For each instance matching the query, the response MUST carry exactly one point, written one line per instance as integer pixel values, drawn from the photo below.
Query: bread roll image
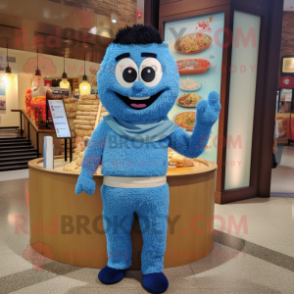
(103, 109)
(81, 132)
(71, 114)
(91, 108)
(73, 134)
(69, 167)
(84, 127)
(79, 161)
(70, 100)
(188, 162)
(94, 113)
(104, 113)
(79, 139)
(82, 122)
(85, 122)
(71, 107)
(71, 123)
(82, 117)
(89, 102)
(89, 97)
(72, 167)
(178, 159)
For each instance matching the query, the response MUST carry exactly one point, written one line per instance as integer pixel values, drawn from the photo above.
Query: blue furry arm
(92, 159)
(207, 114)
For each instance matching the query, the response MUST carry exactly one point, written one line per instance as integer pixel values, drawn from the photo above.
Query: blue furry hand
(85, 184)
(207, 111)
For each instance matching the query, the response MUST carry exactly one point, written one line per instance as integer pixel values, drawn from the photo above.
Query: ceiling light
(113, 17)
(7, 77)
(85, 87)
(64, 83)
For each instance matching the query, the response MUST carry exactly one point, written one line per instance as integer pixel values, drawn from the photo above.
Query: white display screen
(59, 119)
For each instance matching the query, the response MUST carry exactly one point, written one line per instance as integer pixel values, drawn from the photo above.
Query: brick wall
(287, 40)
(125, 9)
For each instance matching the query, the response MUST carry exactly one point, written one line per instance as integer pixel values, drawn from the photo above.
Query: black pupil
(148, 74)
(130, 75)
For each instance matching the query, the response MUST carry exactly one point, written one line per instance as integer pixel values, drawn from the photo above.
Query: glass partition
(243, 78)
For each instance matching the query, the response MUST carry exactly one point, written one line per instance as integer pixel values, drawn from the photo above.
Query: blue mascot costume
(138, 84)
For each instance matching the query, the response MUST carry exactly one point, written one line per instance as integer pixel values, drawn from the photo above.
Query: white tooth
(139, 98)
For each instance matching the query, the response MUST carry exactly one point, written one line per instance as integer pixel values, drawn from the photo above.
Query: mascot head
(138, 78)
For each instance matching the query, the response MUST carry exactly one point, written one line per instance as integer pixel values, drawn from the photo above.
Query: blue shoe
(155, 283)
(110, 275)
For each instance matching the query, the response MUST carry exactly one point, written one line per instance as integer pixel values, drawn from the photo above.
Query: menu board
(286, 95)
(197, 46)
(59, 119)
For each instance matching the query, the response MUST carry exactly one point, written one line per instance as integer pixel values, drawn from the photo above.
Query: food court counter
(71, 225)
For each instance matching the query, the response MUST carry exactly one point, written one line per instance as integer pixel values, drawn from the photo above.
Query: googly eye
(150, 72)
(126, 72)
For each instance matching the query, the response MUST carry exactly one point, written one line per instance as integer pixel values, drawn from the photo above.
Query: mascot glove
(208, 110)
(85, 184)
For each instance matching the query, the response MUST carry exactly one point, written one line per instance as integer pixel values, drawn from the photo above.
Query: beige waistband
(134, 182)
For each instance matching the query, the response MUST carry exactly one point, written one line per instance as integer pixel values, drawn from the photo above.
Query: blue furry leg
(110, 275)
(155, 283)
(151, 206)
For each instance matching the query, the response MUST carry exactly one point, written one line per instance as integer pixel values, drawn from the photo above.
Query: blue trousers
(151, 206)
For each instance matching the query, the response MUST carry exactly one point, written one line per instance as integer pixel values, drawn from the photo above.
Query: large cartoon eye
(150, 71)
(126, 72)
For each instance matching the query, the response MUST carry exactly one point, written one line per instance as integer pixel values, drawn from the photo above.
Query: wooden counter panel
(53, 201)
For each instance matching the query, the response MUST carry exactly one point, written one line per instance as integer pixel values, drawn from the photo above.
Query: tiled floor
(14, 175)
(283, 176)
(257, 257)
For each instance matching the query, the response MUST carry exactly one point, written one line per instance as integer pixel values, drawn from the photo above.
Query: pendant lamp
(7, 77)
(37, 72)
(64, 83)
(38, 80)
(113, 16)
(85, 87)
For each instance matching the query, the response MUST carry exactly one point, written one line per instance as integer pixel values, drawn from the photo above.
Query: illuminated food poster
(284, 124)
(196, 44)
(2, 96)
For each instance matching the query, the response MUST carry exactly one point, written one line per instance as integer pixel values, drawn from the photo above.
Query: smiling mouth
(139, 102)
